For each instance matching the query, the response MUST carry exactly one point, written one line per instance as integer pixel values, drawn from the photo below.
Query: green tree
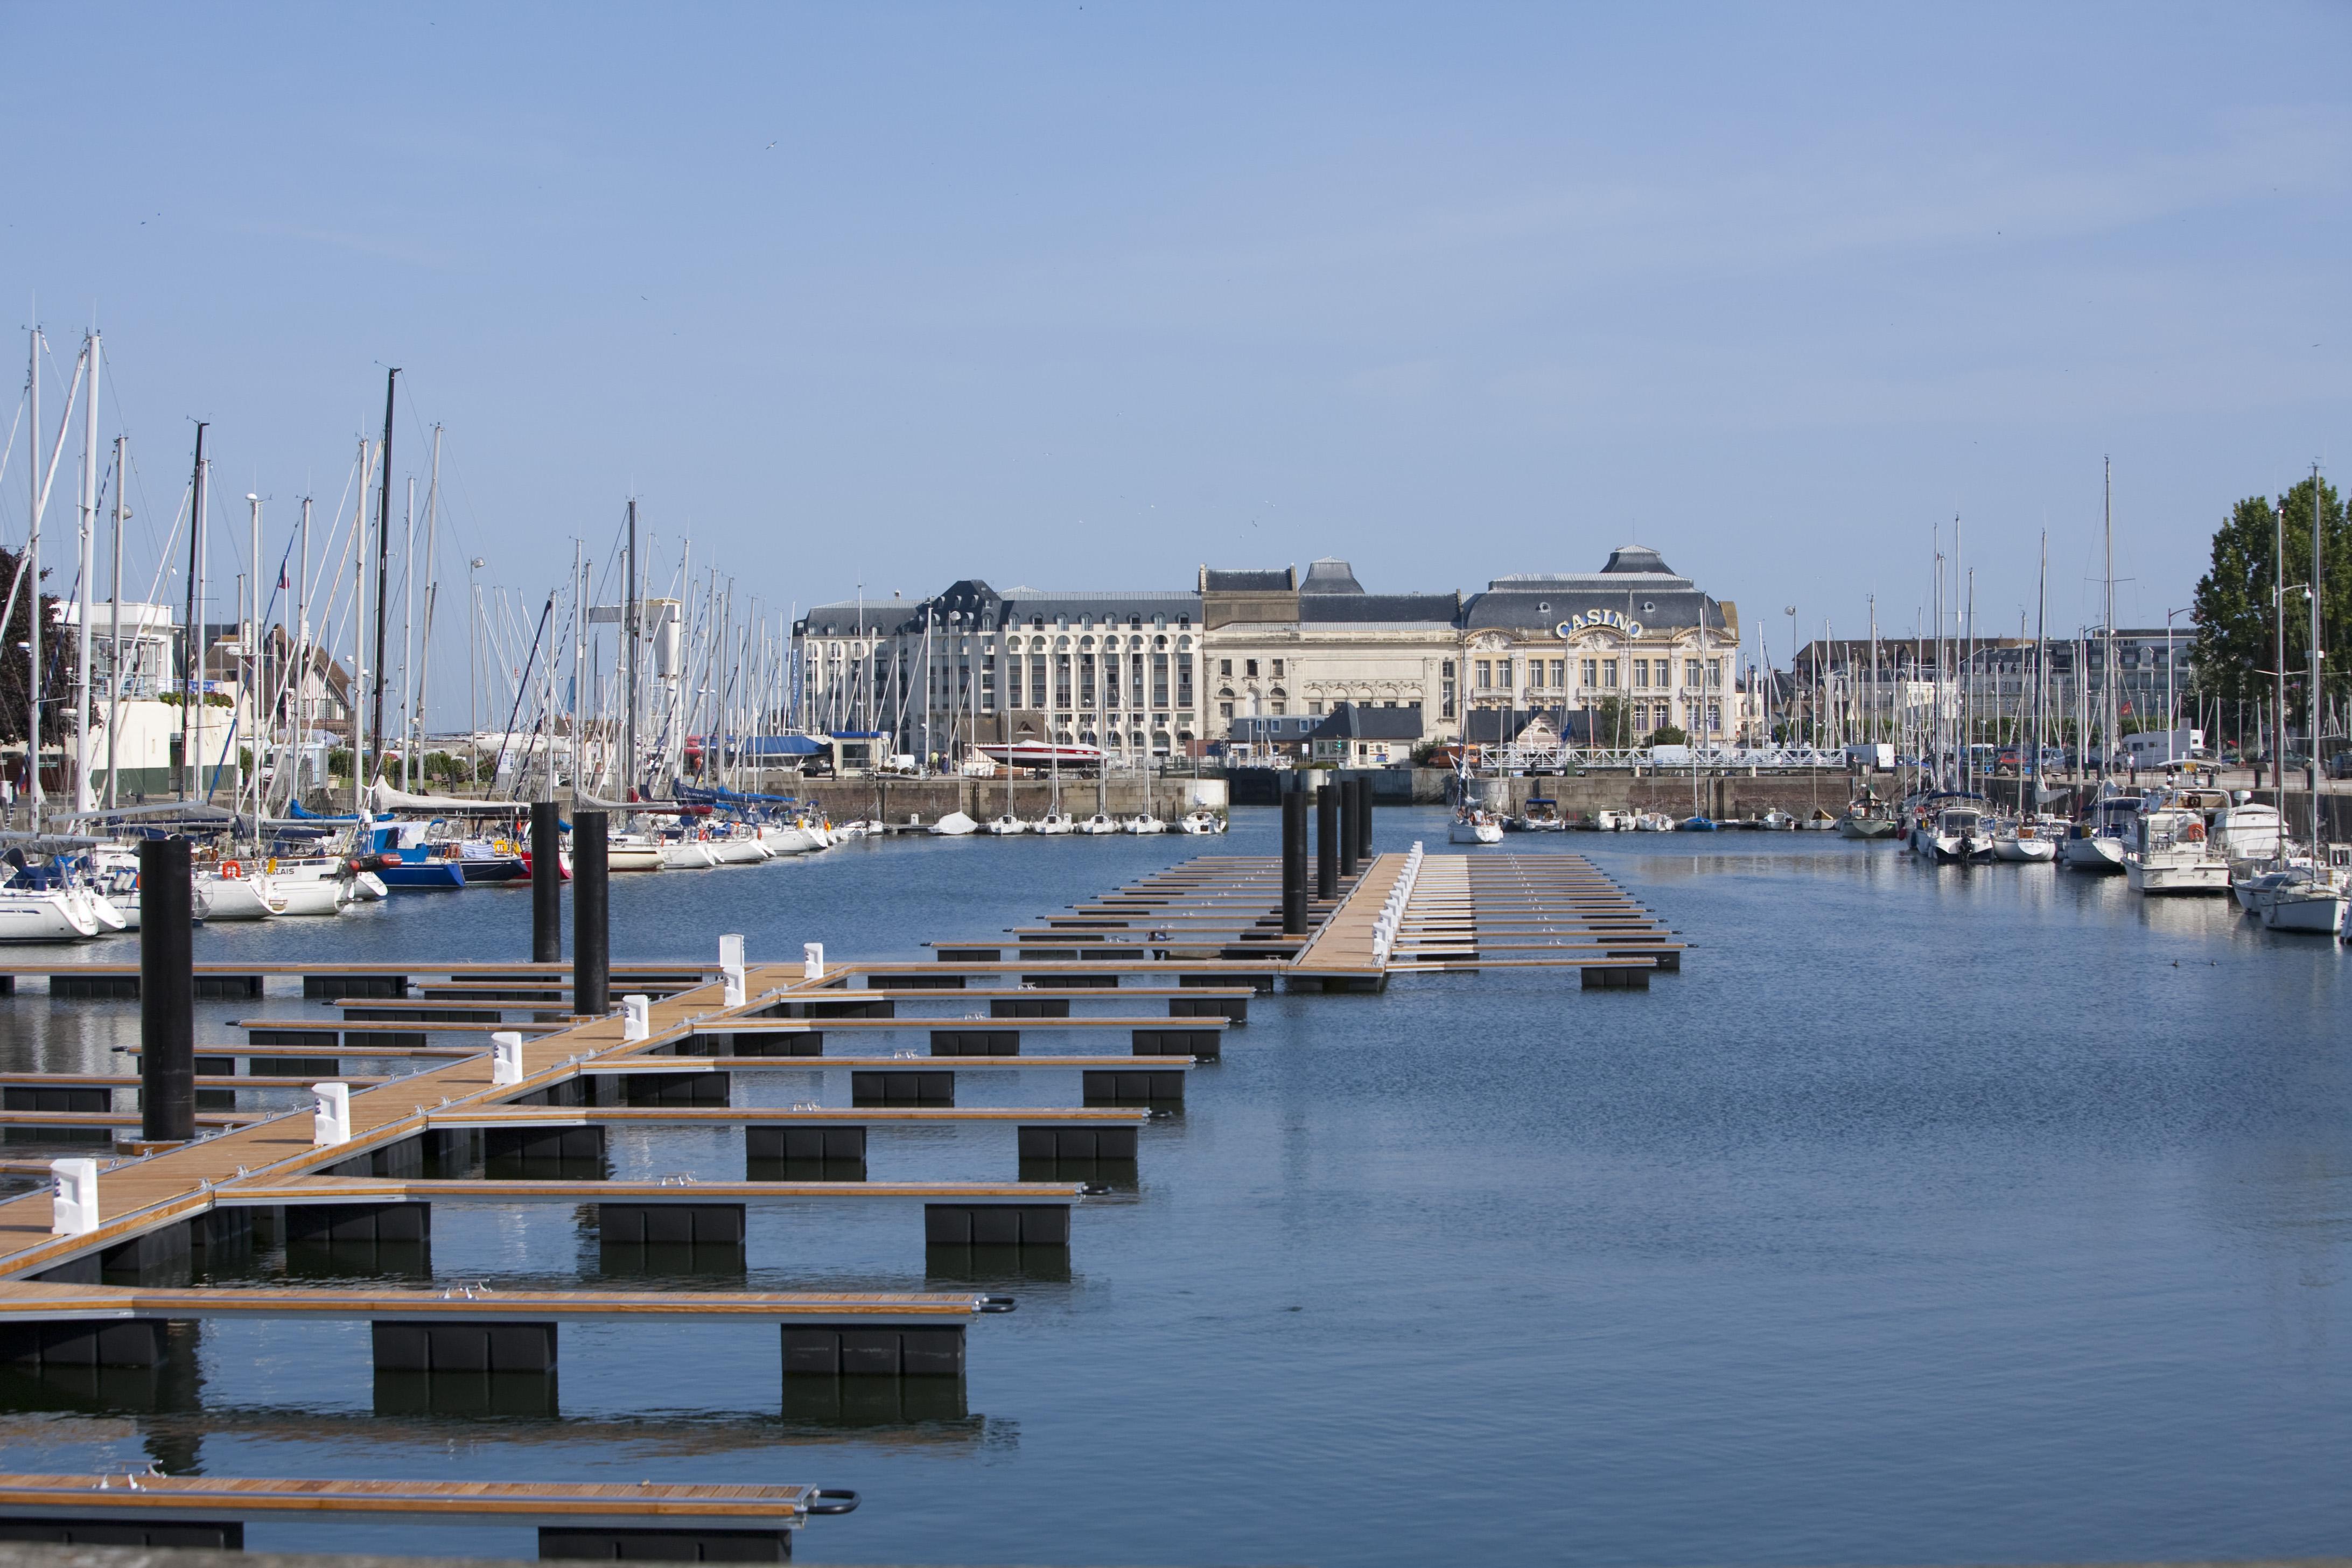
(2233, 601)
(1669, 735)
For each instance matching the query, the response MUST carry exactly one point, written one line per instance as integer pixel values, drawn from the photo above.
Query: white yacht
(2171, 854)
(1203, 821)
(43, 914)
(1143, 822)
(2027, 841)
(1007, 827)
(1473, 825)
(1098, 823)
(1056, 822)
(1955, 835)
(230, 894)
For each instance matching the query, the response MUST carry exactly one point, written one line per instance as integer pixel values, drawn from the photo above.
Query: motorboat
(1056, 822)
(1098, 823)
(1042, 754)
(1696, 825)
(2026, 841)
(1613, 821)
(1143, 822)
(1653, 822)
(1820, 822)
(1007, 827)
(1954, 834)
(1201, 821)
(2170, 853)
(954, 825)
(1540, 815)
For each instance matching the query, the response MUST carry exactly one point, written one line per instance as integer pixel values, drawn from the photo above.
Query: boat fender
(230, 870)
(833, 1499)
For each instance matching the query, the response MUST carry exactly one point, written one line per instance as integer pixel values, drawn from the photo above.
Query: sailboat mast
(83, 801)
(2111, 716)
(383, 575)
(432, 590)
(2318, 531)
(2278, 659)
(302, 665)
(408, 637)
(114, 630)
(578, 651)
(2040, 659)
(629, 676)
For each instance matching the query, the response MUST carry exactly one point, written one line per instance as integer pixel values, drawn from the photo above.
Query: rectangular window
(1277, 669)
(1159, 680)
(1715, 673)
(1609, 675)
(1691, 672)
(1184, 680)
(1012, 682)
(1224, 666)
(1535, 675)
(1559, 674)
(1037, 681)
(1485, 675)
(1590, 676)
(1061, 680)
(1446, 669)
(1642, 674)
(1315, 707)
(1249, 666)
(1086, 680)
(1224, 710)
(1277, 709)
(1446, 699)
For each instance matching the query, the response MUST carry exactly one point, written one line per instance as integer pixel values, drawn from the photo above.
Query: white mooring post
(506, 1058)
(812, 961)
(73, 1201)
(330, 1118)
(637, 1017)
(730, 967)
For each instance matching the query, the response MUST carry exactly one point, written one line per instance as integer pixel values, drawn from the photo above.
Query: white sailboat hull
(2025, 851)
(1474, 833)
(43, 917)
(1094, 824)
(2092, 853)
(236, 898)
(305, 896)
(1056, 822)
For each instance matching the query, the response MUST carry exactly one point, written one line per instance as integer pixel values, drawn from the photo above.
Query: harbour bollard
(1363, 819)
(1326, 842)
(546, 883)
(591, 934)
(73, 1196)
(1350, 849)
(331, 1115)
(506, 1058)
(730, 967)
(1293, 863)
(167, 992)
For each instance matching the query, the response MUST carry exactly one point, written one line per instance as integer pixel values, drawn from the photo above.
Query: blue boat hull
(432, 874)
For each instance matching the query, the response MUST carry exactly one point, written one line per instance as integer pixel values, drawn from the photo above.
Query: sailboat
(2313, 897)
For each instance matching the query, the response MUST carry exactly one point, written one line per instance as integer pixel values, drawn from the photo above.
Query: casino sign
(1574, 623)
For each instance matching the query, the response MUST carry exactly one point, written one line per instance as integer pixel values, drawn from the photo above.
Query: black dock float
(900, 1086)
(197, 1534)
(836, 1402)
(996, 1225)
(1121, 1087)
(1204, 1044)
(804, 1142)
(752, 1042)
(226, 987)
(295, 1067)
(583, 1145)
(1052, 1142)
(94, 987)
(446, 1013)
(863, 1349)
(1029, 1007)
(42, 1097)
(975, 1042)
(1074, 981)
(1627, 979)
(371, 987)
(567, 1543)
(402, 1159)
(970, 954)
(464, 1347)
(673, 1088)
(915, 980)
(117, 1342)
(657, 1225)
(1234, 1009)
(855, 1007)
(329, 1224)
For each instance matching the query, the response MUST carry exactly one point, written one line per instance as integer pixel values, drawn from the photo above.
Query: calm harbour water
(1928, 1215)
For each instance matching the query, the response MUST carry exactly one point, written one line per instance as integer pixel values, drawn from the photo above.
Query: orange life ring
(231, 870)
(2194, 833)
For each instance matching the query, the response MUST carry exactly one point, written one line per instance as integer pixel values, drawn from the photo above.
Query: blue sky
(1087, 295)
